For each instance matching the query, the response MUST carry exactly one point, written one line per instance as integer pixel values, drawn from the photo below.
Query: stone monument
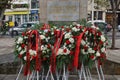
(62, 10)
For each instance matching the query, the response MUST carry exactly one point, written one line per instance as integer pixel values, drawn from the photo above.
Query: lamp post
(92, 11)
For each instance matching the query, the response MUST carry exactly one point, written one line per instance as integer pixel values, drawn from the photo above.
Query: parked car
(102, 25)
(119, 28)
(21, 28)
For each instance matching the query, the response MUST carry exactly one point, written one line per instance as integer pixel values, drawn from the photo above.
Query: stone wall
(66, 10)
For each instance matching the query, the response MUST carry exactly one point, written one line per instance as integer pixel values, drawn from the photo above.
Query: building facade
(23, 11)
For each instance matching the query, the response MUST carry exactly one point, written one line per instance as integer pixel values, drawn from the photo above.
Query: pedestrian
(16, 24)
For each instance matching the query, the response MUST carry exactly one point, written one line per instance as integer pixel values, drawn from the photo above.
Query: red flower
(67, 42)
(101, 42)
(48, 46)
(20, 55)
(71, 52)
(65, 50)
(22, 45)
(68, 29)
(44, 59)
(85, 47)
(102, 55)
(92, 56)
(33, 57)
(95, 48)
(23, 34)
(62, 26)
(99, 33)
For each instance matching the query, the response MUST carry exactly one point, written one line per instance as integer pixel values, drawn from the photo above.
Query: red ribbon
(59, 36)
(34, 47)
(77, 50)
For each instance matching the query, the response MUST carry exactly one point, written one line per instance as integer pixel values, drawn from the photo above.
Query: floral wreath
(68, 45)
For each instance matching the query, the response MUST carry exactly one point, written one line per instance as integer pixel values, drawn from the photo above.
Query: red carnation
(23, 34)
(22, 45)
(68, 29)
(65, 50)
(67, 42)
(20, 55)
(71, 52)
(48, 45)
(33, 57)
(91, 56)
(95, 48)
(102, 55)
(99, 33)
(62, 26)
(85, 47)
(101, 42)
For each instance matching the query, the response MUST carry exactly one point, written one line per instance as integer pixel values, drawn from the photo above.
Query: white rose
(71, 40)
(67, 35)
(70, 46)
(78, 24)
(83, 51)
(20, 40)
(83, 42)
(19, 48)
(74, 29)
(42, 47)
(46, 30)
(103, 38)
(93, 26)
(42, 37)
(97, 54)
(86, 32)
(32, 52)
(90, 50)
(22, 52)
(103, 49)
(25, 58)
(60, 51)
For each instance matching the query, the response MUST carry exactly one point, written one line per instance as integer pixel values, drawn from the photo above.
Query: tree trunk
(2, 14)
(114, 27)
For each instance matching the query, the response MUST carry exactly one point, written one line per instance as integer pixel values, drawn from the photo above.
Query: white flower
(46, 30)
(22, 52)
(97, 54)
(68, 35)
(42, 37)
(83, 42)
(103, 49)
(60, 51)
(78, 24)
(93, 26)
(32, 52)
(25, 37)
(90, 50)
(20, 40)
(103, 38)
(86, 32)
(25, 58)
(75, 29)
(71, 40)
(83, 51)
(70, 46)
(19, 49)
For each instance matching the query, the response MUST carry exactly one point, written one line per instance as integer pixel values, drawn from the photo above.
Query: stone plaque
(63, 10)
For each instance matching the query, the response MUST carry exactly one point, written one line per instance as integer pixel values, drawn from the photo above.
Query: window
(10, 18)
(24, 18)
(34, 4)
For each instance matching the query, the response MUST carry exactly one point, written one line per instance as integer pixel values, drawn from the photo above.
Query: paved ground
(7, 48)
